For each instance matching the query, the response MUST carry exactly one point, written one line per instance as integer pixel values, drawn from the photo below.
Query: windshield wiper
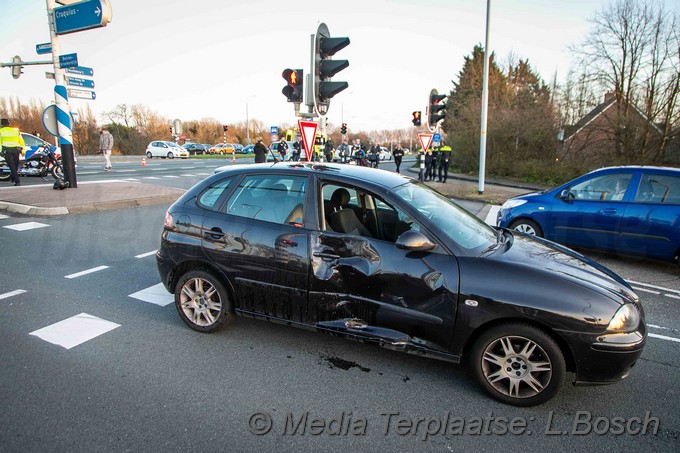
(500, 239)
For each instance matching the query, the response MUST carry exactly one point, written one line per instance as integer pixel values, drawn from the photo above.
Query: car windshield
(466, 230)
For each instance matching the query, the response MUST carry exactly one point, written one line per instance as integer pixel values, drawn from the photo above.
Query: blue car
(629, 210)
(249, 149)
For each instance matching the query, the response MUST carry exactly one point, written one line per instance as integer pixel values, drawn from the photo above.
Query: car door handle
(610, 211)
(214, 233)
(326, 256)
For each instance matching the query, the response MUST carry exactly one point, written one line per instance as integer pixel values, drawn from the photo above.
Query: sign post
(425, 141)
(308, 131)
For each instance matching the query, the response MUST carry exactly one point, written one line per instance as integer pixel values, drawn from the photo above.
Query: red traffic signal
(225, 127)
(343, 129)
(294, 84)
(416, 118)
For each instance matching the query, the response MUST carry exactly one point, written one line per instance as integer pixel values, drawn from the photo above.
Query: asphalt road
(149, 383)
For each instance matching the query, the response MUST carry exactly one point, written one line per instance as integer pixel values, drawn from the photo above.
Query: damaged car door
(377, 275)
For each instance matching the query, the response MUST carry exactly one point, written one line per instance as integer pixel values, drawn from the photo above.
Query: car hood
(562, 262)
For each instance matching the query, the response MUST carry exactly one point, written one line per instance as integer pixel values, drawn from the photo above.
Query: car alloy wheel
(149, 155)
(171, 155)
(202, 301)
(519, 364)
(527, 226)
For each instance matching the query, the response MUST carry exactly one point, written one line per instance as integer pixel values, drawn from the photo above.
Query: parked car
(249, 149)
(642, 218)
(275, 152)
(381, 258)
(238, 147)
(166, 149)
(222, 148)
(385, 154)
(194, 148)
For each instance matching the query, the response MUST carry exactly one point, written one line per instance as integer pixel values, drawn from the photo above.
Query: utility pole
(485, 104)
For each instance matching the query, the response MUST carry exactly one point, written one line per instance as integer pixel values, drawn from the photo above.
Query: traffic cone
(233, 157)
(143, 161)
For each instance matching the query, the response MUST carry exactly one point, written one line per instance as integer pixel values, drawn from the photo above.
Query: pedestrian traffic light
(294, 84)
(17, 69)
(343, 129)
(436, 109)
(225, 127)
(416, 118)
(324, 68)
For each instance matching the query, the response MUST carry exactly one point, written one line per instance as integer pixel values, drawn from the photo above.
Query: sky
(223, 59)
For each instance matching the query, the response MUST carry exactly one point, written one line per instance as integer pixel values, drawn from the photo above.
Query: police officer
(428, 165)
(444, 158)
(11, 143)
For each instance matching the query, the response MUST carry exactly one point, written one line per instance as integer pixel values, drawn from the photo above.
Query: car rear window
(208, 198)
(655, 188)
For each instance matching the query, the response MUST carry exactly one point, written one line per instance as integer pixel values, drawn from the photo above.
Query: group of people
(437, 163)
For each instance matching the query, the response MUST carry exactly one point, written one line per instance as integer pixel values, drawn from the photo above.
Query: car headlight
(626, 319)
(513, 204)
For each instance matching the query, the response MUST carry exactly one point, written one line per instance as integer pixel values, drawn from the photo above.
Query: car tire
(171, 156)
(149, 155)
(202, 301)
(527, 226)
(518, 364)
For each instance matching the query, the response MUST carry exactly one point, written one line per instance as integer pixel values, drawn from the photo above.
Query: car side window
(208, 198)
(610, 187)
(271, 198)
(655, 188)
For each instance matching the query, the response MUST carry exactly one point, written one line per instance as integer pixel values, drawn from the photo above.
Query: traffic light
(17, 70)
(225, 127)
(343, 129)
(294, 84)
(436, 109)
(324, 68)
(416, 118)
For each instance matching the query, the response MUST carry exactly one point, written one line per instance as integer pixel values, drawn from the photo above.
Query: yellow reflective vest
(10, 137)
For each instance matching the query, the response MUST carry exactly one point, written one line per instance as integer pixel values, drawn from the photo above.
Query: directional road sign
(44, 48)
(273, 129)
(82, 16)
(81, 94)
(68, 61)
(308, 132)
(76, 82)
(81, 70)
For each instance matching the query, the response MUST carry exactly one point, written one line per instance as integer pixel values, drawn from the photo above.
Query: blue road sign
(81, 94)
(76, 82)
(68, 61)
(437, 138)
(44, 48)
(81, 70)
(81, 16)
(274, 130)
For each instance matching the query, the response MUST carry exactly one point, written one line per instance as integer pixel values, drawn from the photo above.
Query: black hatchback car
(381, 258)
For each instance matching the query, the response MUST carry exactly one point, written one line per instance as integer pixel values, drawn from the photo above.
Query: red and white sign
(308, 132)
(425, 140)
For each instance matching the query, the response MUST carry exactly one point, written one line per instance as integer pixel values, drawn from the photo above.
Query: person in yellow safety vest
(11, 143)
(444, 158)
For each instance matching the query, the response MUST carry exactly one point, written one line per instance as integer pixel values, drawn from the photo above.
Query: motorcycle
(40, 163)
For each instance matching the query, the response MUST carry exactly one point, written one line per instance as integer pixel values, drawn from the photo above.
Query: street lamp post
(248, 120)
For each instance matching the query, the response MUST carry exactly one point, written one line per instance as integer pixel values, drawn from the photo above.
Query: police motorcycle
(41, 163)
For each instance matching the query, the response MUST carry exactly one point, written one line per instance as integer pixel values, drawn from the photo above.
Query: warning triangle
(425, 141)
(308, 132)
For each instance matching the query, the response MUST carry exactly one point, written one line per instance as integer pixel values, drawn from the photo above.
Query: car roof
(363, 174)
(635, 168)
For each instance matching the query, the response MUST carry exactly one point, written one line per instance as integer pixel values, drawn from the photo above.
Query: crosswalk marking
(75, 330)
(491, 216)
(156, 294)
(3, 216)
(144, 255)
(25, 226)
(85, 272)
(16, 292)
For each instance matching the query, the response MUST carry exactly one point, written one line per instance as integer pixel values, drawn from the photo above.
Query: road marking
(144, 255)
(88, 271)
(80, 173)
(203, 174)
(651, 291)
(170, 176)
(664, 337)
(189, 176)
(151, 177)
(130, 179)
(186, 168)
(672, 296)
(75, 330)
(654, 326)
(491, 216)
(16, 292)
(668, 290)
(156, 294)
(3, 216)
(26, 226)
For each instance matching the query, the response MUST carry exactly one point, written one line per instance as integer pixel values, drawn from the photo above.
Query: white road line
(491, 216)
(664, 337)
(144, 255)
(651, 291)
(131, 179)
(190, 176)
(25, 226)
(186, 168)
(88, 271)
(668, 290)
(86, 173)
(16, 292)
(672, 296)
(75, 330)
(156, 294)
(203, 174)
(3, 216)
(150, 177)
(170, 176)
(654, 326)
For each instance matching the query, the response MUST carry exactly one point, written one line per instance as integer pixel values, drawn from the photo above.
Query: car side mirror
(414, 241)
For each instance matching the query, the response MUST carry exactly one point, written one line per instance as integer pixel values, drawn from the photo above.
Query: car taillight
(168, 220)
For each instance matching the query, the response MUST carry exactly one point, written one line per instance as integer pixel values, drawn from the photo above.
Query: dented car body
(382, 258)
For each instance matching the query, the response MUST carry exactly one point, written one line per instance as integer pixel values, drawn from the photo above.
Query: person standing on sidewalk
(105, 147)
(260, 152)
(444, 157)
(11, 143)
(398, 153)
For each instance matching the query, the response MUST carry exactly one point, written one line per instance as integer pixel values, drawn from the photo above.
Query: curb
(32, 210)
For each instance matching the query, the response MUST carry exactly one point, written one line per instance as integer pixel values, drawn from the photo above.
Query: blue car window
(609, 187)
(655, 188)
